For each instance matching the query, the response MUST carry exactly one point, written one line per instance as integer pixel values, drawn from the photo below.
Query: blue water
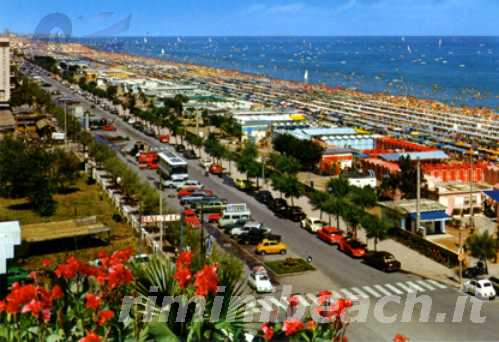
(461, 70)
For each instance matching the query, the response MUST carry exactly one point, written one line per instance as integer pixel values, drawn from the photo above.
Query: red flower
(91, 337)
(182, 275)
(19, 297)
(268, 331)
(292, 326)
(121, 256)
(47, 262)
(400, 338)
(69, 269)
(324, 296)
(310, 325)
(341, 339)
(56, 292)
(104, 316)
(2, 306)
(293, 300)
(206, 280)
(119, 275)
(184, 258)
(92, 301)
(34, 306)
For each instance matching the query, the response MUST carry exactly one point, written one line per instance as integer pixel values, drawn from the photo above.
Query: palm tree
(375, 229)
(482, 246)
(335, 206)
(318, 200)
(353, 215)
(339, 187)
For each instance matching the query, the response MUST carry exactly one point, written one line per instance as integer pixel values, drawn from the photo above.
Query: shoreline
(312, 89)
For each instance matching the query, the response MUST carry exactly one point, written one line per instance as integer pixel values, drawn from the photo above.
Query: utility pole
(471, 177)
(460, 256)
(65, 123)
(161, 223)
(418, 194)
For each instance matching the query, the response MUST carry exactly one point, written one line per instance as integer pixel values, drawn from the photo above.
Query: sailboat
(162, 52)
(210, 40)
(305, 76)
(440, 43)
(145, 40)
(179, 40)
(403, 39)
(409, 49)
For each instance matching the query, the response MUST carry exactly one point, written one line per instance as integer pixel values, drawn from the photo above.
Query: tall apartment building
(4, 71)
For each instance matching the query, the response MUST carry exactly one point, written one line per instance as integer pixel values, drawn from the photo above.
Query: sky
(254, 17)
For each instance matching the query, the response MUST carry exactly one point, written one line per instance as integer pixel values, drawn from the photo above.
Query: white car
(173, 183)
(259, 280)
(190, 183)
(480, 288)
(205, 163)
(312, 224)
(247, 227)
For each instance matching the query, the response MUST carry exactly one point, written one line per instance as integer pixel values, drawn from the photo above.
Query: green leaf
(161, 332)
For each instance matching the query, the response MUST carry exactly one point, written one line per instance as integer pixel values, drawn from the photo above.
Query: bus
(172, 167)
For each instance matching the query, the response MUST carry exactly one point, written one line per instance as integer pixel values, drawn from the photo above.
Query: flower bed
(289, 266)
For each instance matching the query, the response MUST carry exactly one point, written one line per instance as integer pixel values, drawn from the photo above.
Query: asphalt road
(344, 271)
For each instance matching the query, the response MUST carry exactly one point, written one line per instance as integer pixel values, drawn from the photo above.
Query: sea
(454, 70)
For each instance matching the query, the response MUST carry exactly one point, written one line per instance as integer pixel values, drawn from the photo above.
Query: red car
(164, 138)
(109, 128)
(191, 218)
(184, 192)
(216, 169)
(330, 234)
(213, 218)
(352, 247)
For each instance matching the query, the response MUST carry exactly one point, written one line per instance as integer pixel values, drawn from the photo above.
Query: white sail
(145, 40)
(162, 52)
(305, 76)
(440, 43)
(409, 49)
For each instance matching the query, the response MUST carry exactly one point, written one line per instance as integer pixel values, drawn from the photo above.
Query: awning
(493, 194)
(431, 215)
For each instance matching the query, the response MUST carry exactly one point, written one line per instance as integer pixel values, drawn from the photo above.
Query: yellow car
(243, 184)
(271, 247)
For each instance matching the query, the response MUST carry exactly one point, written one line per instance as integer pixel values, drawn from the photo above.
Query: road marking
(313, 298)
(278, 303)
(349, 294)
(383, 290)
(415, 286)
(394, 289)
(371, 291)
(302, 300)
(406, 288)
(437, 284)
(425, 284)
(359, 292)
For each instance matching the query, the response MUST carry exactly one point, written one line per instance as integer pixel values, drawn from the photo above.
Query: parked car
(268, 246)
(189, 184)
(480, 288)
(383, 261)
(243, 184)
(495, 283)
(255, 236)
(216, 169)
(475, 271)
(210, 206)
(278, 205)
(329, 234)
(264, 197)
(352, 247)
(179, 148)
(259, 280)
(193, 199)
(190, 154)
(205, 163)
(234, 232)
(293, 213)
(164, 138)
(312, 224)
(213, 218)
(173, 183)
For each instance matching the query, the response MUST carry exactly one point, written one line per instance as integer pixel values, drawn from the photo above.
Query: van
(234, 215)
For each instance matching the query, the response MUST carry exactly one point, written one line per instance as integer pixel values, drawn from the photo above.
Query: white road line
(436, 283)
(383, 290)
(394, 289)
(312, 298)
(405, 287)
(359, 292)
(302, 300)
(349, 295)
(278, 303)
(371, 291)
(425, 284)
(415, 286)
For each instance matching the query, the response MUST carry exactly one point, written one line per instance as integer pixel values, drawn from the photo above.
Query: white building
(4, 70)
(362, 181)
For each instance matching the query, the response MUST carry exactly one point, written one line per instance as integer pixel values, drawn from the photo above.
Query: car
(190, 154)
(247, 227)
(216, 169)
(243, 184)
(173, 183)
(184, 192)
(213, 218)
(179, 148)
(192, 200)
(352, 247)
(480, 288)
(293, 213)
(191, 218)
(475, 271)
(495, 283)
(255, 236)
(278, 205)
(259, 280)
(189, 184)
(312, 224)
(383, 261)
(330, 234)
(205, 163)
(269, 246)
(164, 138)
(264, 197)
(210, 206)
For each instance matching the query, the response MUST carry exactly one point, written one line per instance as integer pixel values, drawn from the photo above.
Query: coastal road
(346, 273)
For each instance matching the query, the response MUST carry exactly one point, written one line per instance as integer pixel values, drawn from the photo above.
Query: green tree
(65, 168)
(339, 187)
(335, 206)
(284, 164)
(365, 197)
(353, 215)
(482, 246)
(375, 229)
(318, 199)
(290, 186)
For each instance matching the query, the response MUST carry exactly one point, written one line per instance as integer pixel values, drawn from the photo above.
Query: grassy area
(289, 266)
(86, 200)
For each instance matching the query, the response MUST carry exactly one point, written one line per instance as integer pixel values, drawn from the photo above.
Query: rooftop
(415, 155)
(408, 206)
